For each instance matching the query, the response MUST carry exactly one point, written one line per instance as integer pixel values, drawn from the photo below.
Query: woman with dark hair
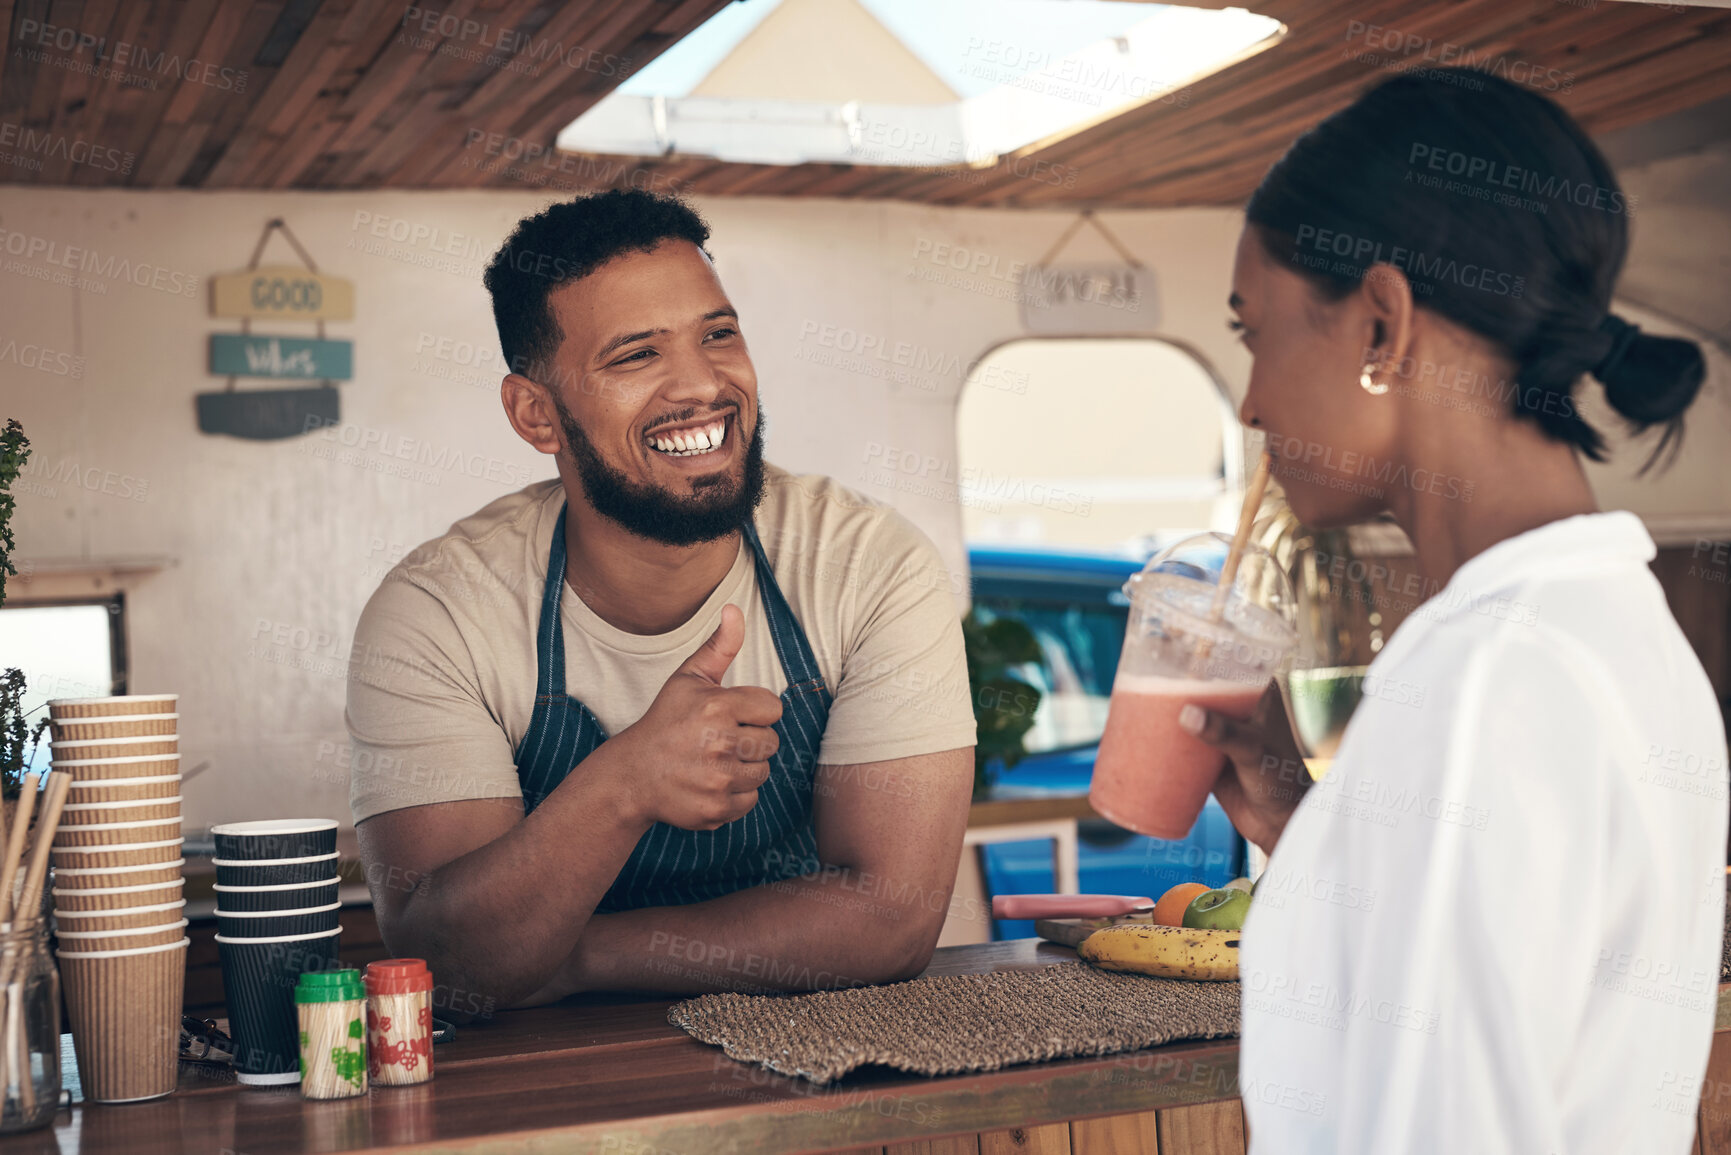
(1495, 923)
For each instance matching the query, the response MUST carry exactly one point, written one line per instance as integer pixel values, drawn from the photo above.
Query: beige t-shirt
(442, 683)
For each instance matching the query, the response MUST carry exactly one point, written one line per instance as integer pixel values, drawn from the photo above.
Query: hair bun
(1648, 379)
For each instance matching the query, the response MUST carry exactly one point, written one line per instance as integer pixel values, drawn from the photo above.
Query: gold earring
(1369, 384)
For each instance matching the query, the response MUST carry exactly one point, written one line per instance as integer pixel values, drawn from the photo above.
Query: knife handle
(1066, 905)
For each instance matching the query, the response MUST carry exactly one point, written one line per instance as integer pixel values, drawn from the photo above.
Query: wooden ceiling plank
(450, 76)
(316, 57)
(276, 117)
(121, 111)
(384, 83)
(7, 8)
(213, 49)
(81, 92)
(229, 143)
(354, 105)
(42, 98)
(165, 43)
(304, 150)
(548, 103)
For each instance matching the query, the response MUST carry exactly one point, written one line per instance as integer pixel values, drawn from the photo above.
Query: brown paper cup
(130, 918)
(135, 938)
(121, 896)
(125, 1011)
(107, 877)
(123, 789)
(131, 854)
(123, 705)
(117, 833)
(142, 766)
(85, 814)
(114, 747)
(128, 726)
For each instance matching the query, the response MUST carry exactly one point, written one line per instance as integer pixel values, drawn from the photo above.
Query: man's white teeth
(686, 443)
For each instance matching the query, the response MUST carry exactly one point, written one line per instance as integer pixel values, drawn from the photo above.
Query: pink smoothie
(1151, 776)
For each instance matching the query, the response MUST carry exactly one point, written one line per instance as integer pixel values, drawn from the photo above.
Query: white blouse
(1495, 924)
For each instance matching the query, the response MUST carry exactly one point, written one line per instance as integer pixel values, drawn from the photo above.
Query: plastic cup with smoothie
(1151, 776)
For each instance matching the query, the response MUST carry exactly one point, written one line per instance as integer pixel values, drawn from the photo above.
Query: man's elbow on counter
(906, 957)
(462, 991)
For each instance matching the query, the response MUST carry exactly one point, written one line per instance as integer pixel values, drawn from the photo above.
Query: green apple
(1243, 884)
(1222, 909)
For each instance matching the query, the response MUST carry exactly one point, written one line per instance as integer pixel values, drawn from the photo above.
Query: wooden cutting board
(1071, 931)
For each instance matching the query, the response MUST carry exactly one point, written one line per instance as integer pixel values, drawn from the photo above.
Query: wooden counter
(609, 1074)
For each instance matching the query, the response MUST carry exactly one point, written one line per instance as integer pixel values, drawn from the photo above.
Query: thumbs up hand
(697, 756)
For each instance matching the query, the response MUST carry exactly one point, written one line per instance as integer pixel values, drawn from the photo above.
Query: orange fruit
(1169, 911)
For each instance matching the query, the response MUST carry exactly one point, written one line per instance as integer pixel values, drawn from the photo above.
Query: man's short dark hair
(563, 243)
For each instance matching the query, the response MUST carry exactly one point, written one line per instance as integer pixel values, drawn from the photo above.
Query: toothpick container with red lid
(399, 1022)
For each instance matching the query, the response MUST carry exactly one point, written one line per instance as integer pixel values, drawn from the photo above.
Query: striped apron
(670, 866)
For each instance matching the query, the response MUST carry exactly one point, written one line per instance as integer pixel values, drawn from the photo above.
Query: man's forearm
(837, 928)
(499, 921)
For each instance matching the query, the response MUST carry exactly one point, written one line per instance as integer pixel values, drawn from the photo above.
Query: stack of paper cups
(276, 916)
(118, 901)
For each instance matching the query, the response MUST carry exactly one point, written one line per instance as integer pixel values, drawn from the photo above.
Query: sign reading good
(1088, 300)
(283, 291)
(243, 355)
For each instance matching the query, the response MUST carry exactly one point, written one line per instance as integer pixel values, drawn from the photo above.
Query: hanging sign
(242, 355)
(268, 414)
(1088, 300)
(1092, 300)
(282, 292)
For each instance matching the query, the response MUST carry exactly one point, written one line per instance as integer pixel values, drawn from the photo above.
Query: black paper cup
(275, 838)
(277, 872)
(297, 896)
(269, 924)
(258, 982)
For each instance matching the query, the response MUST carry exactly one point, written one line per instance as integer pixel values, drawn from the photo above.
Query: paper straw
(1246, 518)
(53, 799)
(15, 843)
(1229, 570)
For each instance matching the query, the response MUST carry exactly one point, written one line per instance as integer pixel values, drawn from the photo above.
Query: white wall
(262, 541)
(270, 540)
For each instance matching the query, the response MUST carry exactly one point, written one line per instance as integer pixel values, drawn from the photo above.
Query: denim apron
(671, 866)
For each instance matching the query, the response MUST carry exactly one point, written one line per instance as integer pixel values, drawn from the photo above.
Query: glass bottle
(29, 1028)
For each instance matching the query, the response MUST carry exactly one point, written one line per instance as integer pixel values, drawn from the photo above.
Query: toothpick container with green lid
(331, 1006)
(399, 1022)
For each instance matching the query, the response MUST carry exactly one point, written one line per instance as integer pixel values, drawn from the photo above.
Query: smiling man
(677, 720)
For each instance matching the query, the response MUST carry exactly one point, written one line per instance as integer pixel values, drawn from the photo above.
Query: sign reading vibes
(283, 291)
(246, 355)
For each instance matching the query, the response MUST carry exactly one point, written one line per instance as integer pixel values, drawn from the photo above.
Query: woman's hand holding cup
(1265, 776)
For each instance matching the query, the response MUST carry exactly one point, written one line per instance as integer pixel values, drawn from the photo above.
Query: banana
(1172, 952)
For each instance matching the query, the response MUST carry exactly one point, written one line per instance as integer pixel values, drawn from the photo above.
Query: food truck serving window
(67, 649)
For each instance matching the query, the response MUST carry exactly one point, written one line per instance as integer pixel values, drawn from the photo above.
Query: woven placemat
(944, 1024)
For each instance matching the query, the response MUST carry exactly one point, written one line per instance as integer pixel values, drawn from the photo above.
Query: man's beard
(718, 508)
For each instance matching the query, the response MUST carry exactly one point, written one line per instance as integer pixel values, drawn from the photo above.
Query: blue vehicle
(1075, 606)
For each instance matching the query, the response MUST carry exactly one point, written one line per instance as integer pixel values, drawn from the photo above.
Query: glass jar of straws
(331, 1006)
(29, 1028)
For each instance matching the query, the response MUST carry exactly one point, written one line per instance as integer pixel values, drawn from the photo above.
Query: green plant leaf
(1004, 704)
